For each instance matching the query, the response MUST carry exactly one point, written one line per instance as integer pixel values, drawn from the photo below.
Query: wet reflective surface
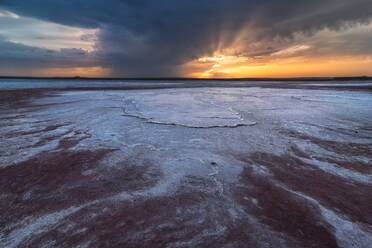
(186, 167)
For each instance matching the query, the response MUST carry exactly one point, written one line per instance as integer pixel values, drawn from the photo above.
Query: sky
(186, 38)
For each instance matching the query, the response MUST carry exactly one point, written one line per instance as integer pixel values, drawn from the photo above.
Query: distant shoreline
(198, 79)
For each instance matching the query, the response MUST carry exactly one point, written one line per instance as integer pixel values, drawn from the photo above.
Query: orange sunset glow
(240, 42)
(240, 67)
(328, 53)
(186, 123)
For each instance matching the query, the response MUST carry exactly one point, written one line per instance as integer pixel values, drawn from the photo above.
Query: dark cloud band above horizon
(157, 38)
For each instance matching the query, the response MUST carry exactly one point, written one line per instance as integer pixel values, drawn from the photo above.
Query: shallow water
(212, 166)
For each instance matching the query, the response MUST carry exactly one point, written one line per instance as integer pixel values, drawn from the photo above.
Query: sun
(214, 65)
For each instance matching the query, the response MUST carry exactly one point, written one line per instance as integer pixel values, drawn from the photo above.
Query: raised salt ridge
(177, 108)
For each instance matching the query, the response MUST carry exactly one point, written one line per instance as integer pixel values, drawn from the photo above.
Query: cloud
(22, 60)
(4, 13)
(158, 38)
(20, 55)
(42, 34)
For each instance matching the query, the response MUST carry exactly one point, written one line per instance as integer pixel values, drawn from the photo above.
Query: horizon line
(200, 79)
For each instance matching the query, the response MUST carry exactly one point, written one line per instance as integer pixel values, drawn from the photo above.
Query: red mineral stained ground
(182, 167)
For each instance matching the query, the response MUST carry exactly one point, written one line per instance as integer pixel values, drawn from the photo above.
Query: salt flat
(164, 164)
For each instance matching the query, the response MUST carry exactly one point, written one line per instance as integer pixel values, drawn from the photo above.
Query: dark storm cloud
(155, 38)
(14, 55)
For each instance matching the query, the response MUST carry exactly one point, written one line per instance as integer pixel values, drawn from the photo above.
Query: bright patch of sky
(48, 35)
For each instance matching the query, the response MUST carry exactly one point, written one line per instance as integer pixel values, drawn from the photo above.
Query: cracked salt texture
(174, 165)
